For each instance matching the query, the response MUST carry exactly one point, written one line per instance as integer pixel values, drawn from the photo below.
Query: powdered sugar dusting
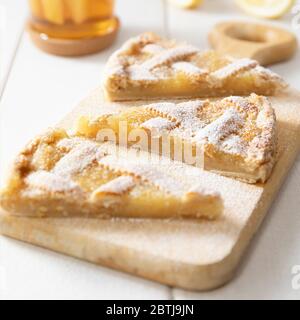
(221, 128)
(140, 74)
(159, 124)
(234, 68)
(143, 71)
(267, 73)
(152, 48)
(169, 56)
(146, 171)
(117, 186)
(234, 145)
(199, 190)
(188, 68)
(76, 160)
(184, 114)
(239, 101)
(70, 144)
(49, 181)
(164, 108)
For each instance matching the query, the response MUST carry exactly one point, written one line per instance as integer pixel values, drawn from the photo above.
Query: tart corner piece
(149, 67)
(242, 143)
(58, 175)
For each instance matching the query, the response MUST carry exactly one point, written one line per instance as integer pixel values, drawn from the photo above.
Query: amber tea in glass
(84, 25)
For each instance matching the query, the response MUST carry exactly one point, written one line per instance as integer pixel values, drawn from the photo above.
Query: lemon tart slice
(234, 136)
(58, 175)
(148, 67)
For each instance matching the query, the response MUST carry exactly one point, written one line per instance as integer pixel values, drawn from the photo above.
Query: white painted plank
(266, 271)
(40, 91)
(12, 17)
(33, 273)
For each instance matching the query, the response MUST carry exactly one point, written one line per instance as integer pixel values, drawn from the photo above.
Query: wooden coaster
(65, 47)
(264, 43)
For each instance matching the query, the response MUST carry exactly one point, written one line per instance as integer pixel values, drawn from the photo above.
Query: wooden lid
(65, 47)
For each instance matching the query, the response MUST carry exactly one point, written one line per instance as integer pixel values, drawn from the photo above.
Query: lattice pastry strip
(59, 175)
(150, 67)
(236, 136)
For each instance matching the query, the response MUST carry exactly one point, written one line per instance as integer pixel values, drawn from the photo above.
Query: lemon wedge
(186, 4)
(271, 9)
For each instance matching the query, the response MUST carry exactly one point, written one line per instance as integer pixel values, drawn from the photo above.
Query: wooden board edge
(155, 268)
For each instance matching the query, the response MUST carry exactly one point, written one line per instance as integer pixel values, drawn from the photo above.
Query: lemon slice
(187, 4)
(271, 9)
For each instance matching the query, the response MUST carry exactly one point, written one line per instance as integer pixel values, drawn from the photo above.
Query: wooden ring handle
(264, 43)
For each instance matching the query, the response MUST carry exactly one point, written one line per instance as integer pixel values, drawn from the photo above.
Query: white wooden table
(37, 89)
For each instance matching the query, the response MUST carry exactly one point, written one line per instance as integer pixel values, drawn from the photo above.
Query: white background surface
(37, 90)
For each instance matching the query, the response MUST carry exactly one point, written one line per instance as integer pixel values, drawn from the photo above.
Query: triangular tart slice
(148, 67)
(234, 136)
(58, 175)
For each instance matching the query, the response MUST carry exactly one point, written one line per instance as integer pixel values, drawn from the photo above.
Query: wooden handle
(264, 43)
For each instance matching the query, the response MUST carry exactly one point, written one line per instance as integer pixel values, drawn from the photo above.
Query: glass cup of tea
(72, 27)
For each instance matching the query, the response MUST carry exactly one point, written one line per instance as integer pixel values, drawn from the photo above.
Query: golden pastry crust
(150, 67)
(236, 134)
(58, 175)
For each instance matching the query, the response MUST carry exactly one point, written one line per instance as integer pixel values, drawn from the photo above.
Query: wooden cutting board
(196, 255)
